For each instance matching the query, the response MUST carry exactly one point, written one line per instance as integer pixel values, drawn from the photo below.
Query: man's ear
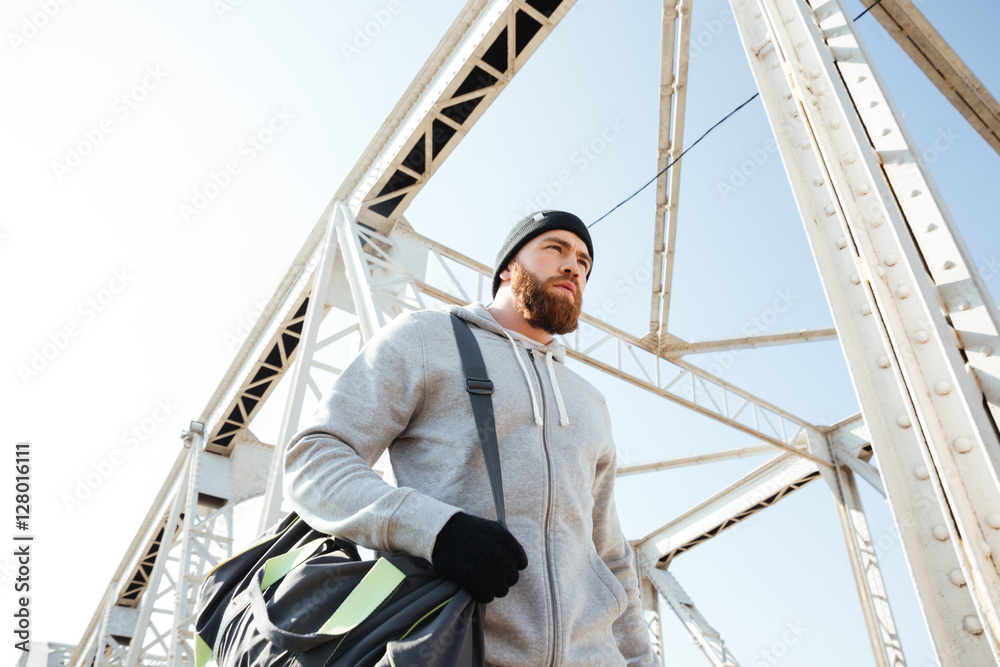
(505, 274)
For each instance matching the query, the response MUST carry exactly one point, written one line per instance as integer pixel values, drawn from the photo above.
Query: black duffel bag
(303, 598)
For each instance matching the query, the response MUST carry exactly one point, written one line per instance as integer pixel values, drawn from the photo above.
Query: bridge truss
(917, 326)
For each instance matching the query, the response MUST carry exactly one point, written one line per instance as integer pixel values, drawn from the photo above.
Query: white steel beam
(920, 403)
(666, 464)
(704, 635)
(675, 51)
(672, 349)
(882, 634)
(941, 64)
(761, 488)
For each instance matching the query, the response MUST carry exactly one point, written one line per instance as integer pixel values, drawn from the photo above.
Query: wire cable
(705, 134)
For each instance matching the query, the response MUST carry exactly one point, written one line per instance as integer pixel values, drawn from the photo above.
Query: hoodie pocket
(609, 580)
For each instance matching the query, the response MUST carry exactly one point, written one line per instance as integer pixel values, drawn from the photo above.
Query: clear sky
(146, 303)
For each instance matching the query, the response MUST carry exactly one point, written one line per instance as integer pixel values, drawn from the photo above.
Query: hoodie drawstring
(531, 385)
(563, 417)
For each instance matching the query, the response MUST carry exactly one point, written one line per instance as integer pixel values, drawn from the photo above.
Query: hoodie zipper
(548, 512)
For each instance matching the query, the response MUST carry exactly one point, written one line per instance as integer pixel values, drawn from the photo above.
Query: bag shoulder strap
(480, 388)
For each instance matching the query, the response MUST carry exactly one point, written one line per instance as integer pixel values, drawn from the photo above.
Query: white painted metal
(300, 376)
(882, 634)
(672, 349)
(675, 51)
(704, 635)
(860, 241)
(666, 464)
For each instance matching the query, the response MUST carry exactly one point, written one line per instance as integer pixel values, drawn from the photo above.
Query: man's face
(547, 278)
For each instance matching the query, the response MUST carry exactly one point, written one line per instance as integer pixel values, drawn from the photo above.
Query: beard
(539, 304)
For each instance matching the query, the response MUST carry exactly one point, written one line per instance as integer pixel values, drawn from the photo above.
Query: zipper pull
(531, 356)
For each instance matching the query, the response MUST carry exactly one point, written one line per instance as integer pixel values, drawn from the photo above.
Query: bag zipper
(548, 511)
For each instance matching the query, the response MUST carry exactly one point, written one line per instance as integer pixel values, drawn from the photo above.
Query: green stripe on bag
(278, 566)
(202, 653)
(380, 582)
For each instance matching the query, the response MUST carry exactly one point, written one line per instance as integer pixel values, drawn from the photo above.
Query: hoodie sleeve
(328, 476)
(630, 630)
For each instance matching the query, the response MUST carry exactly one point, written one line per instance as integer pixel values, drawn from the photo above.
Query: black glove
(479, 555)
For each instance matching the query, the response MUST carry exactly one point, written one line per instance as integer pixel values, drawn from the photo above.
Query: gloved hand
(480, 555)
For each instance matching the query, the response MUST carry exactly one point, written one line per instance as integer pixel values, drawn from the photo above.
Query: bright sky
(119, 113)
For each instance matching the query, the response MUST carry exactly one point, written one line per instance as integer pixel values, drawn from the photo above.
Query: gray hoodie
(577, 603)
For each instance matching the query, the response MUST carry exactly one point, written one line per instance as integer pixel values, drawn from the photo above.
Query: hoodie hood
(476, 313)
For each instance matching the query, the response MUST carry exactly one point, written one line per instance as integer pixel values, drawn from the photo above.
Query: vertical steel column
(935, 440)
(181, 645)
(300, 376)
(881, 626)
(651, 605)
(149, 597)
(369, 318)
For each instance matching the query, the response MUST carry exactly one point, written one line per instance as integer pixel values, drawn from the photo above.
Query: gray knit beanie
(530, 227)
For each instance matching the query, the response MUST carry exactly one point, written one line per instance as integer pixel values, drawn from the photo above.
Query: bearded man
(560, 578)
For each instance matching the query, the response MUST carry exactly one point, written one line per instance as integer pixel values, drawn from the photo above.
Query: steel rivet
(826, 14)
(866, 309)
(806, 145)
(848, 56)
(956, 577)
(835, 123)
(841, 242)
(930, 227)
(986, 351)
(898, 161)
(818, 181)
(972, 625)
(850, 158)
(921, 336)
(915, 193)
(862, 78)
(891, 260)
(940, 532)
(963, 445)
(902, 421)
(879, 271)
(942, 387)
(883, 361)
(830, 210)
(877, 222)
(902, 291)
(886, 132)
(873, 103)
(963, 305)
(855, 278)
(920, 472)
(948, 265)
(993, 520)
(863, 190)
